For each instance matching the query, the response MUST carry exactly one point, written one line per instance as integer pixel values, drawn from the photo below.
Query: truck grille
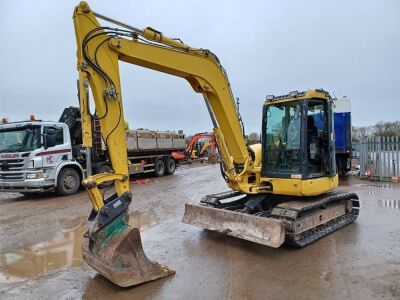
(11, 176)
(11, 164)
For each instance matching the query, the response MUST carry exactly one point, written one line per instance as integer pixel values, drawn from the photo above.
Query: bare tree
(253, 138)
(362, 132)
(387, 128)
(379, 129)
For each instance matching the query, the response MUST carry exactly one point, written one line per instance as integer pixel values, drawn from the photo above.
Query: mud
(40, 255)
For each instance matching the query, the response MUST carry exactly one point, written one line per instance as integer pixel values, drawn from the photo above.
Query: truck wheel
(159, 168)
(339, 166)
(171, 166)
(104, 168)
(68, 182)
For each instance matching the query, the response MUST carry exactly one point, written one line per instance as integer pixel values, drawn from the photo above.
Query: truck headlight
(34, 175)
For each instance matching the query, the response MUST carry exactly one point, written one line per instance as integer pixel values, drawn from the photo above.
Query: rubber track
(313, 235)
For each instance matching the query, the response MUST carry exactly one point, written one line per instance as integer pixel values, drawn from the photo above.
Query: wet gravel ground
(40, 238)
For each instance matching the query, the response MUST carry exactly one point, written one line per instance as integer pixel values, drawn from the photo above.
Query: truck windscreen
(20, 139)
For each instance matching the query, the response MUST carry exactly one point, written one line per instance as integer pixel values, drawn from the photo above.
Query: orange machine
(196, 147)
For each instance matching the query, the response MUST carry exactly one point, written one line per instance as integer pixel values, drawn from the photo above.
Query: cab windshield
(20, 139)
(282, 138)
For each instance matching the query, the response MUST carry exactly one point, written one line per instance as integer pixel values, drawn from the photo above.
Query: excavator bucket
(117, 254)
(265, 231)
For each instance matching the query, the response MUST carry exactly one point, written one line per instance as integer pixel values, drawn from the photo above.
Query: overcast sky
(267, 47)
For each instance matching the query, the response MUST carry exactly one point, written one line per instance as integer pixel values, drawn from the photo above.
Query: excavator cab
(298, 139)
(293, 202)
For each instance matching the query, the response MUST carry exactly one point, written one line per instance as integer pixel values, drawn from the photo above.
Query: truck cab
(36, 156)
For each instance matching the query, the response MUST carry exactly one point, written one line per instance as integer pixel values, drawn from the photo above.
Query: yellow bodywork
(206, 145)
(302, 187)
(110, 246)
(150, 49)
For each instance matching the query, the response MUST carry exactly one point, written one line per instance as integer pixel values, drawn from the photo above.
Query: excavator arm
(99, 51)
(111, 247)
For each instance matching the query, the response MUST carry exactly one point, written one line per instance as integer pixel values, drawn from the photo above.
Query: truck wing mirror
(49, 141)
(49, 137)
(50, 131)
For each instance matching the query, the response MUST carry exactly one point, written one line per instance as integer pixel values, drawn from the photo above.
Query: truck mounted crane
(281, 190)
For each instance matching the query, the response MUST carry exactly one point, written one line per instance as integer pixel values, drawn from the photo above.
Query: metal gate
(379, 158)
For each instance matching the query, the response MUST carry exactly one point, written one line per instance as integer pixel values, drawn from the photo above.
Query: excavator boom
(111, 246)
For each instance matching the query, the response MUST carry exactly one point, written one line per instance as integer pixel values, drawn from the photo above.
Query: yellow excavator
(281, 190)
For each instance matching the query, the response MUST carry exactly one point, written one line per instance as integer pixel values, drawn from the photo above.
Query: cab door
(331, 170)
(320, 141)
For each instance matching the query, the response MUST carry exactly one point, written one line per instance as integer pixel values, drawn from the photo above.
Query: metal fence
(379, 158)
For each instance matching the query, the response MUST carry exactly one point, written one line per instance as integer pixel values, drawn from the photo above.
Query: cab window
(58, 134)
(317, 143)
(282, 144)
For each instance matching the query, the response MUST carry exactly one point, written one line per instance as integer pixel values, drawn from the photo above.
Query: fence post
(397, 157)
(391, 157)
(388, 173)
(379, 159)
(362, 157)
(384, 162)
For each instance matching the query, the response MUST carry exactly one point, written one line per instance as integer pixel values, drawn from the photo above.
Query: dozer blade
(117, 254)
(265, 231)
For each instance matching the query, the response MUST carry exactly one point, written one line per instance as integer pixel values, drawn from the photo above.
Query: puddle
(355, 181)
(62, 251)
(347, 181)
(390, 204)
(384, 186)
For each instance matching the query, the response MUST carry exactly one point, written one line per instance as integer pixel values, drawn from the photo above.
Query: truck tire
(341, 165)
(159, 168)
(104, 168)
(171, 166)
(68, 182)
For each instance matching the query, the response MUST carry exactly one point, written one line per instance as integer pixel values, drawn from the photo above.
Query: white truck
(37, 156)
